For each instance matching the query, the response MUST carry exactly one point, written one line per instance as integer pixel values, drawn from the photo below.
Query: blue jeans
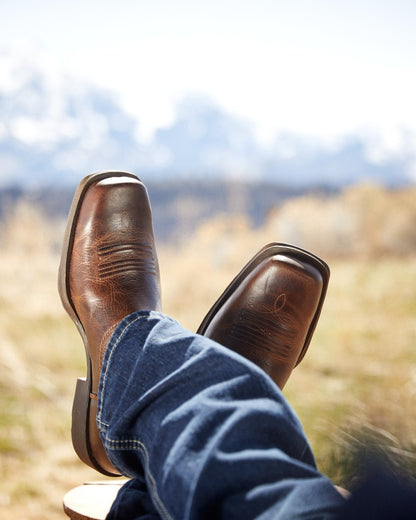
(203, 432)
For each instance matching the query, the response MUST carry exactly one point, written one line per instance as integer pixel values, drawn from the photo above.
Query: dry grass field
(355, 390)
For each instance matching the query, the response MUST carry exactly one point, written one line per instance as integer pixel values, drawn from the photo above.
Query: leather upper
(268, 316)
(113, 269)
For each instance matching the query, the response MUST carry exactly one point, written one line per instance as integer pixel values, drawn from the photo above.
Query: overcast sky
(322, 68)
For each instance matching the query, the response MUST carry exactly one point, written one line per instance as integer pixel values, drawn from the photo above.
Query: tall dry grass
(356, 387)
(366, 220)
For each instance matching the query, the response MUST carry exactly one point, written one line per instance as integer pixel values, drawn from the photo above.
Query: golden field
(354, 391)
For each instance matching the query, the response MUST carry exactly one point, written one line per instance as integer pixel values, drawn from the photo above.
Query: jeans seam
(128, 444)
(137, 445)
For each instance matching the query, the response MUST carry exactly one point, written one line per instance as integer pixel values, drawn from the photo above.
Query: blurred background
(249, 122)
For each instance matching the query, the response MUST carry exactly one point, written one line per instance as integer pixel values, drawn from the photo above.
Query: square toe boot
(269, 311)
(108, 270)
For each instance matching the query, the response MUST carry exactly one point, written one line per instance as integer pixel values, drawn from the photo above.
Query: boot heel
(80, 420)
(84, 431)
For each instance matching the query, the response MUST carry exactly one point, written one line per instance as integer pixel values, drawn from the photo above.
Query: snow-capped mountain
(56, 129)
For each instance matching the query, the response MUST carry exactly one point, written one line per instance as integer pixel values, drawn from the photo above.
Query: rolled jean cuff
(150, 354)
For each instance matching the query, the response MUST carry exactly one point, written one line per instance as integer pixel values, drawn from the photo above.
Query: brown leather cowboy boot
(269, 311)
(108, 269)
